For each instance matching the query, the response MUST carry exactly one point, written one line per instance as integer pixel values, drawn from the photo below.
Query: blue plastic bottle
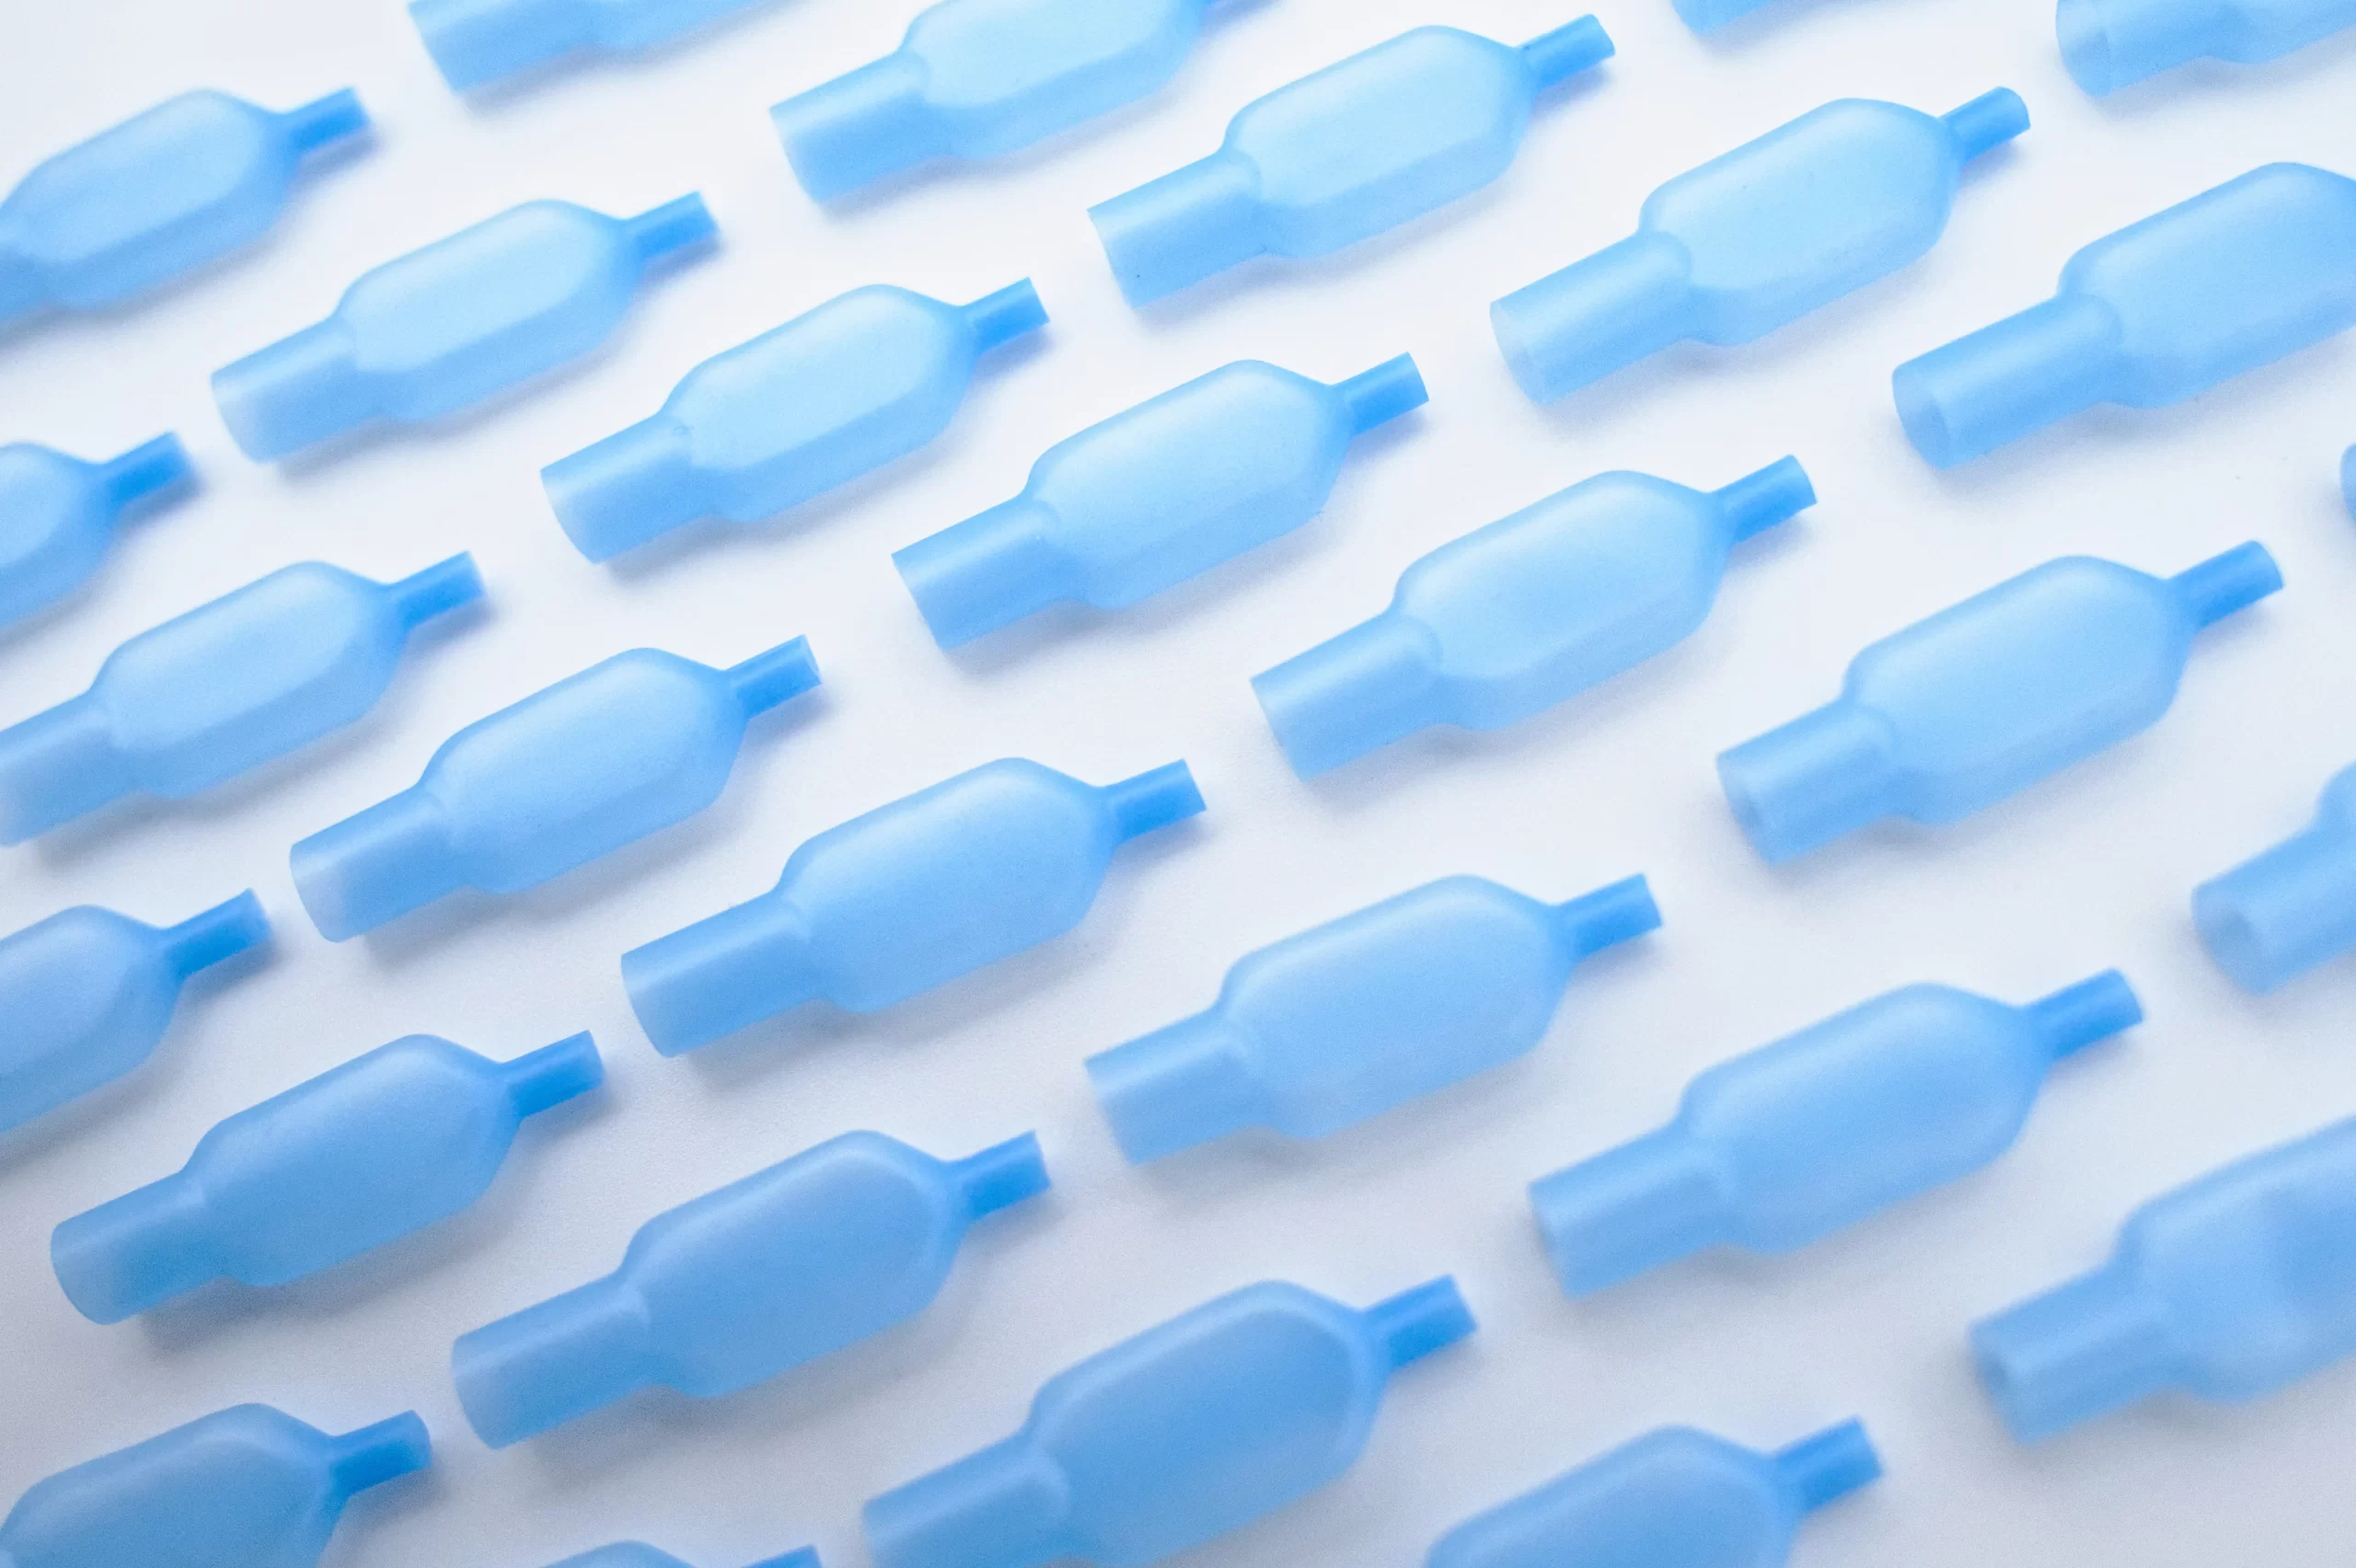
(2237, 277)
(730, 1289)
(2281, 914)
(1756, 239)
(772, 423)
(1190, 1430)
(2348, 477)
(1344, 1022)
(975, 78)
(1986, 697)
(88, 993)
(638, 1554)
(58, 515)
(443, 329)
(1342, 156)
(1154, 496)
(1675, 1498)
(248, 1486)
(1787, 1144)
(907, 897)
(363, 1153)
(1515, 617)
(596, 761)
(2227, 1288)
(2110, 44)
(222, 689)
(1708, 16)
(156, 197)
(476, 43)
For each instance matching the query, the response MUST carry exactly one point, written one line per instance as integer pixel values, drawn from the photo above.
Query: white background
(2089, 871)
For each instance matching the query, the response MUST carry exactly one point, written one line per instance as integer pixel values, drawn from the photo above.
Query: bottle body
(475, 42)
(247, 1485)
(2110, 44)
(58, 515)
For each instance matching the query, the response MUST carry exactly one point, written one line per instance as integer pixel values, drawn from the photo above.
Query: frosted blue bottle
(1675, 1498)
(2237, 277)
(220, 690)
(2110, 44)
(156, 197)
(572, 772)
(444, 327)
(730, 1289)
(638, 1554)
(907, 897)
(1342, 156)
(1154, 496)
(58, 515)
(88, 993)
(2348, 477)
(1190, 1430)
(246, 1487)
(477, 42)
(1755, 239)
(772, 423)
(1515, 617)
(977, 78)
(1348, 1019)
(2232, 1287)
(1986, 697)
(1708, 16)
(2275, 917)
(1786, 1145)
(362, 1154)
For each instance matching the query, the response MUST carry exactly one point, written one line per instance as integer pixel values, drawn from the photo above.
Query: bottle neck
(138, 1251)
(2093, 1345)
(1152, 801)
(548, 1363)
(2005, 381)
(2226, 584)
(374, 1455)
(1625, 303)
(1008, 1506)
(1002, 1176)
(1377, 683)
(1818, 778)
(722, 973)
(1631, 1209)
(1986, 123)
(1607, 917)
(553, 1074)
(988, 572)
(1417, 1322)
(1177, 1088)
(1827, 1467)
(219, 933)
(1757, 502)
(439, 589)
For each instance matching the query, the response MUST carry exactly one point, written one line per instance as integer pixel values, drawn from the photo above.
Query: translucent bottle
(1190, 1430)
(2110, 44)
(443, 329)
(247, 1485)
(1787, 1144)
(1324, 1029)
(156, 197)
(2237, 277)
(596, 761)
(907, 897)
(2232, 1287)
(58, 515)
(88, 993)
(1342, 156)
(477, 42)
(1515, 617)
(220, 690)
(730, 1289)
(977, 78)
(1675, 1498)
(2348, 477)
(1986, 697)
(772, 423)
(1755, 239)
(362, 1154)
(2277, 915)
(1154, 496)
(638, 1554)
(1708, 16)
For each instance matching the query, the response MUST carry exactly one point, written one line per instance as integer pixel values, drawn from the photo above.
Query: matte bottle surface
(475, 42)
(1675, 1498)
(88, 993)
(820, 1251)
(2282, 913)
(1985, 699)
(1347, 1020)
(443, 328)
(58, 515)
(905, 898)
(1755, 239)
(246, 1487)
(772, 423)
(159, 195)
(2227, 1288)
(2234, 279)
(1705, 16)
(1515, 617)
(1795, 1140)
(974, 78)
(596, 761)
(220, 690)
(638, 1554)
(382, 1146)
(1154, 496)
(1172, 1438)
(2110, 44)
(1339, 157)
